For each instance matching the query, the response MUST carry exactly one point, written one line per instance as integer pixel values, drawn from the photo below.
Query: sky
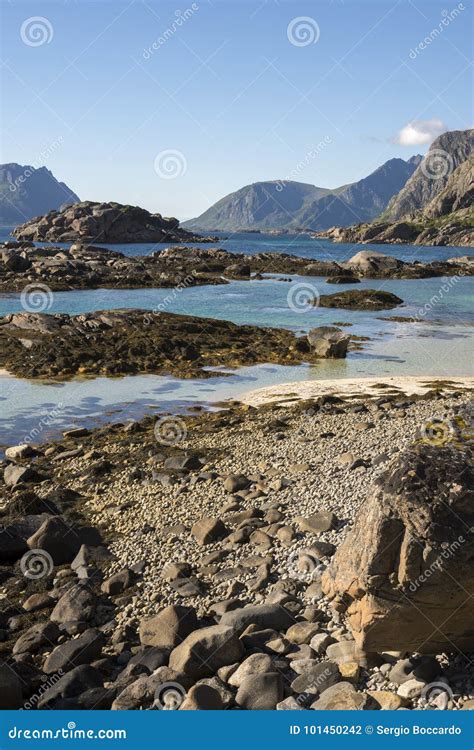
(172, 105)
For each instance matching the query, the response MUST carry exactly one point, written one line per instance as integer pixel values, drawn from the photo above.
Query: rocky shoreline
(82, 266)
(195, 562)
(458, 231)
(127, 342)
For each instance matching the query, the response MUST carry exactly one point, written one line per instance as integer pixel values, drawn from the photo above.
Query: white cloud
(419, 132)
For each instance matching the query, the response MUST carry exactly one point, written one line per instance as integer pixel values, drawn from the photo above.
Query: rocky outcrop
(104, 222)
(328, 342)
(404, 573)
(361, 299)
(118, 342)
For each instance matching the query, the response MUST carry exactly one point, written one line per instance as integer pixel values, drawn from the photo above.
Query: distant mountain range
(285, 205)
(26, 192)
(435, 207)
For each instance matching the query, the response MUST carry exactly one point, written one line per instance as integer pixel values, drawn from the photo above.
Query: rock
(61, 541)
(15, 474)
(72, 684)
(262, 615)
(411, 689)
(349, 671)
(348, 651)
(252, 665)
(340, 697)
(302, 632)
(371, 262)
(118, 582)
(328, 342)
(174, 570)
(36, 602)
(318, 522)
(320, 642)
(17, 452)
(425, 668)
(82, 650)
(226, 695)
(138, 694)
(77, 604)
(386, 700)
(404, 570)
(289, 704)
(208, 530)
(317, 679)
(12, 544)
(236, 482)
(260, 692)
(169, 627)
(202, 698)
(205, 650)
(11, 694)
(38, 635)
(361, 299)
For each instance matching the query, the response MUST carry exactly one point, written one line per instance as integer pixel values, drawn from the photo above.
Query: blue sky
(236, 91)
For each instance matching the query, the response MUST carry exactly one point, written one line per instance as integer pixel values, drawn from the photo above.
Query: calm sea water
(441, 345)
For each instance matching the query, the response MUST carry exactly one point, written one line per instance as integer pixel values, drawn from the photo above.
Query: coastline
(408, 385)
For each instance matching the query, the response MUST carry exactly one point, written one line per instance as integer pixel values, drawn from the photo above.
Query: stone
(318, 522)
(17, 452)
(76, 604)
(411, 689)
(349, 671)
(236, 482)
(328, 342)
(301, 632)
(38, 635)
(118, 582)
(404, 570)
(62, 541)
(386, 700)
(174, 570)
(260, 692)
(343, 652)
(36, 602)
(340, 697)
(317, 679)
(202, 697)
(81, 650)
(208, 530)
(320, 642)
(425, 668)
(252, 665)
(169, 627)
(11, 694)
(289, 704)
(72, 684)
(138, 694)
(262, 615)
(14, 474)
(205, 650)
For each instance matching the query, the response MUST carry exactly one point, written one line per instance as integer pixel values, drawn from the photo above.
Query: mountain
(26, 192)
(261, 205)
(430, 178)
(435, 207)
(287, 204)
(361, 201)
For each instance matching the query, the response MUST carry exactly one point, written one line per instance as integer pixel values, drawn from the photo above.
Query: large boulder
(329, 342)
(370, 262)
(206, 650)
(404, 573)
